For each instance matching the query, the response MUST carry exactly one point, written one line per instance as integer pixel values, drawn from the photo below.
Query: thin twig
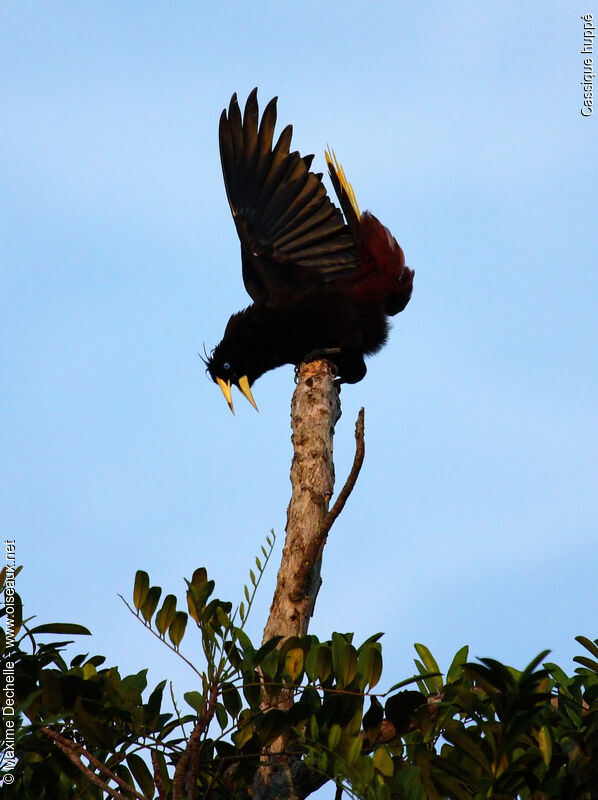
(157, 635)
(158, 776)
(314, 550)
(74, 752)
(343, 496)
(178, 713)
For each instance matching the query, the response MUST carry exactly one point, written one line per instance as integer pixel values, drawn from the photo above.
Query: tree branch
(160, 788)
(315, 547)
(74, 752)
(184, 782)
(315, 410)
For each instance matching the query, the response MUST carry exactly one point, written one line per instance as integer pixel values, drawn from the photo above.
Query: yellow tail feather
(332, 162)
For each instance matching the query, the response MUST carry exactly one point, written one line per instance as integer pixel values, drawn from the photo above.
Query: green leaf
(354, 749)
(455, 788)
(154, 703)
(349, 664)
(270, 664)
(311, 662)
(324, 662)
(369, 665)
(231, 699)
(588, 644)
(545, 744)
(177, 629)
(310, 697)
(407, 681)
(245, 730)
(458, 735)
(140, 589)
(270, 725)
(558, 674)
(199, 577)
(166, 614)
(265, 649)
(245, 642)
(456, 668)
(198, 591)
(334, 736)
(293, 663)
(252, 689)
(430, 665)
(373, 638)
(141, 774)
(195, 700)
(124, 774)
(587, 662)
(314, 729)
(18, 615)
(344, 660)
(151, 603)
(383, 762)
(338, 645)
(222, 617)
(138, 681)
(61, 627)
(221, 716)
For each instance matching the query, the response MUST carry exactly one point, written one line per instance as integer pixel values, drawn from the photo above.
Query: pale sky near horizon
(459, 126)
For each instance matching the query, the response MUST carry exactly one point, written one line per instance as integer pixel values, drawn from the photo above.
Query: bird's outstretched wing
(289, 229)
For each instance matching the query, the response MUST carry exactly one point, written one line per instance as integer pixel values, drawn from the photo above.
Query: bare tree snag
(315, 410)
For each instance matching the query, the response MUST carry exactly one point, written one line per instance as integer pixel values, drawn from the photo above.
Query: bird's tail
(344, 192)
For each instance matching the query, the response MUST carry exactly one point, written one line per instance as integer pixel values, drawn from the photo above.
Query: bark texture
(315, 410)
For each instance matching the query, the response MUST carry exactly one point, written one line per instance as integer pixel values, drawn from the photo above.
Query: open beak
(244, 387)
(225, 386)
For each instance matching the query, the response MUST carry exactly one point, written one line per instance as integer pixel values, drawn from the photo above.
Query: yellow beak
(225, 386)
(244, 387)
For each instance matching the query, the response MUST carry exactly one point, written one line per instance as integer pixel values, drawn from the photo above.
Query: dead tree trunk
(315, 410)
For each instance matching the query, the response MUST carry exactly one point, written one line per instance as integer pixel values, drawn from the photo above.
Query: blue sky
(459, 125)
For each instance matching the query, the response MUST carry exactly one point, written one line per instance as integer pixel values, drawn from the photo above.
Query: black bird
(322, 285)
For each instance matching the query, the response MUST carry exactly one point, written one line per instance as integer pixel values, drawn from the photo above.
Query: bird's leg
(321, 353)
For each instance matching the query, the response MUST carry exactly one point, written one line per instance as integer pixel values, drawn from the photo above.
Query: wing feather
(290, 231)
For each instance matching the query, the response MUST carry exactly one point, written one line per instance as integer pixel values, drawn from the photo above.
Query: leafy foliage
(484, 730)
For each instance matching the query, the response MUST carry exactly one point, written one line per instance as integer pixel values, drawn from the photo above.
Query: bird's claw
(320, 355)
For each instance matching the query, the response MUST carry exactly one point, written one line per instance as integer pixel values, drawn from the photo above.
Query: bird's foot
(323, 354)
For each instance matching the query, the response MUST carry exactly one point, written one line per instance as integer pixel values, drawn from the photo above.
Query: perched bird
(322, 285)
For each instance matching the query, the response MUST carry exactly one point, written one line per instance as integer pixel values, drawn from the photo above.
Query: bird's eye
(226, 365)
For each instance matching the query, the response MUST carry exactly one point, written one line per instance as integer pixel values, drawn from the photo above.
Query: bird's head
(227, 371)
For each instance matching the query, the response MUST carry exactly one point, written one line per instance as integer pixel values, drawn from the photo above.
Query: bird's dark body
(322, 320)
(321, 286)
